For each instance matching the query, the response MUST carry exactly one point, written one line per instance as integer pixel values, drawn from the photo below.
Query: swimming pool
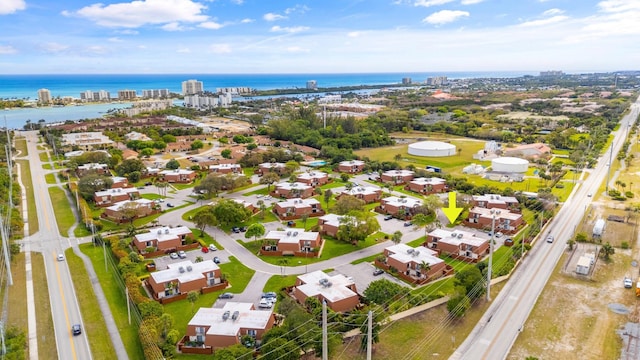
(316, 163)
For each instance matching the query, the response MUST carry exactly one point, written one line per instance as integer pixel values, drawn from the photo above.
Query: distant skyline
(323, 36)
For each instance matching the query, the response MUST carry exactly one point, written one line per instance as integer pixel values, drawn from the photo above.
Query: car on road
(212, 247)
(388, 217)
(589, 195)
(170, 205)
(226, 295)
(377, 272)
(265, 304)
(498, 234)
(216, 260)
(550, 238)
(173, 255)
(60, 257)
(76, 329)
(182, 254)
(628, 283)
(161, 200)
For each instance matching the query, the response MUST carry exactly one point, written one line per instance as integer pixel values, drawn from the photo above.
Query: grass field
(21, 146)
(17, 314)
(44, 322)
(117, 301)
(64, 216)
(277, 282)
(50, 178)
(25, 174)
(44, 157)
(94, 325)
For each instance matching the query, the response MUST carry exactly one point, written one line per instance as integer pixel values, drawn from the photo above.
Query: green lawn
(94, 325)
(207, 238)
(46, 343)
(46, 166)
(262, 191)
(64, 215)
(150, 196)
(116, 299)
(238, 276)
(43, 156)
(50, 178)
(21, 145)
(277, 282)
(25, 173)
(333, 184)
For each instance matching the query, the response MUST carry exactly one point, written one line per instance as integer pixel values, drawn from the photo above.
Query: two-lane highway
(495, 333)
(64, 305)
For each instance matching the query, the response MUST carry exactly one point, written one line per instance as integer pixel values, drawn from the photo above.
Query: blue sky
(322, 36)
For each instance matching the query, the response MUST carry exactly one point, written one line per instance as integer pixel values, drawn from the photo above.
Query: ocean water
(26, 87)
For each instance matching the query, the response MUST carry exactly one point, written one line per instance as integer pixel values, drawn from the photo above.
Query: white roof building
(312, 175)
(291, 236)
(457, 237)
(362, 190)
(139, 202)
(351, 163)
(298, 203)
(94, 138)
(176, 172)
(406, 254)
(163, 233)
(180, 272)
(116, 191)
(406, 202)
(291, 186)
(422, 181)
(223, 167)
(231, 319)
(93, 166)
(333, 288)
(400, 173)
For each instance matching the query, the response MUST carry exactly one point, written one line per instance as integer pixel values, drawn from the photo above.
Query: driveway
(362, 275)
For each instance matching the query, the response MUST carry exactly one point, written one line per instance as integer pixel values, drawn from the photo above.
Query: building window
(252, 332)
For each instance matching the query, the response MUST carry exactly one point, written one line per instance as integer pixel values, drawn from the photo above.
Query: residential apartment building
(351, 166)
(313, 178)
(92, 168)
(276, 167)
(398, 207)
(296, 207)
(202, 101)
(397, 177)
(119, 182)
(427, 186)
(418, 264)
(226, 169)
(289, 190)
(181, 176)
(312, 85)
(119, 212)
(191, 87)
(85, 141)
(330, 224)
(293, 241)
(495, 201)
(217, 328)
(162, 238)
(458, 244)
(505, 221)
(182, 277)
(101, 95)
(115, 195)
(338, 291)
(127, 95)
(155, 94)
(247, 205)
(368, 194)
(44, 97)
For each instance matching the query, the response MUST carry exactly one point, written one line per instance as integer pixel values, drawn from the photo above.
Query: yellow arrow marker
(452, 212)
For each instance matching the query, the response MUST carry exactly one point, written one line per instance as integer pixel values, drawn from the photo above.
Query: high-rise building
(89, 95)
(312, 84)
(551, 73)
(127, 94)
(155, 94)
(437, 80)
(191, 87)
(406, 81)
(44, 96)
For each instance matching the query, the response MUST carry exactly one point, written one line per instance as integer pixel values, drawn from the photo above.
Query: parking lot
(163, 261)
(362, 275)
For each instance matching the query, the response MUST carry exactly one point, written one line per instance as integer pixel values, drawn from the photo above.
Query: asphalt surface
(64, 305)
(497, 330)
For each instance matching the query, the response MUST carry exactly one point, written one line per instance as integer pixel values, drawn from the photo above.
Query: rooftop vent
(409, 251)
(459, 236)
(166, 231)
(235, 315)
(416, 253)
(189, 268)
(453, 235)
(159, 231)
(181, 269)
(295, 233)
(288, 233)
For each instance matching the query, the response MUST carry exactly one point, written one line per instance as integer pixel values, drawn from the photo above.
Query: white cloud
(173, 26)
(297, 49)
(212, 25)
(237, 2)
(296, 9)
(354, 34)
(445, 16)
(246, 21)
(11, 6)
(552, 12)
(289, 30)
(220, 48)
(541, 22)
(618, 5)
(114, 39)
(97, 49)
(142, 12)
(7, 50)
(54, 47)
(273, 17)
(183, 50)
(470, 2)
(428, 3)
(127, 32)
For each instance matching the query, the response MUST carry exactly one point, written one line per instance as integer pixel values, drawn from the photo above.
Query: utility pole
(126, 291)
(609, 169)
(494, 212)
(369, 333)
(325, 349)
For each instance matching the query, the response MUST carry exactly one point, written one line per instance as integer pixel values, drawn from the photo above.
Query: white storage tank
(432, 149)
(510, 164)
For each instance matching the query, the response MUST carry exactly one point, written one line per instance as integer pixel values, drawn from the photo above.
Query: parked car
(269, 295)
(377, 272)
(235, 229)
(265, 304)
(408, 223)
(216, 260)
(226, 295)
(291, 223)
(628, 283)
(169, 205)
(148, 183)
(205, 249)
(243, 228)
(388, 217)
(60, 257)
(182, 254)
(173, 255)
(212, 247)
(76, 329)
(508, 242)
(140, 187)
(498, 234)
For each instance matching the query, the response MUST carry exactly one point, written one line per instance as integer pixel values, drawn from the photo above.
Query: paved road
(64, 305)
(495, 333)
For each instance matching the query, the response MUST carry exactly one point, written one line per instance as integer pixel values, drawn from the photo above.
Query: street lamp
(494, 213)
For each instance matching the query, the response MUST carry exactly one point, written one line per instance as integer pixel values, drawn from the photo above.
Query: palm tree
(618, 182)
(425, 268)
(607, 250)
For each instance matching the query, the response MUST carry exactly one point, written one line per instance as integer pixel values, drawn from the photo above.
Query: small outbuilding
(598, 228)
